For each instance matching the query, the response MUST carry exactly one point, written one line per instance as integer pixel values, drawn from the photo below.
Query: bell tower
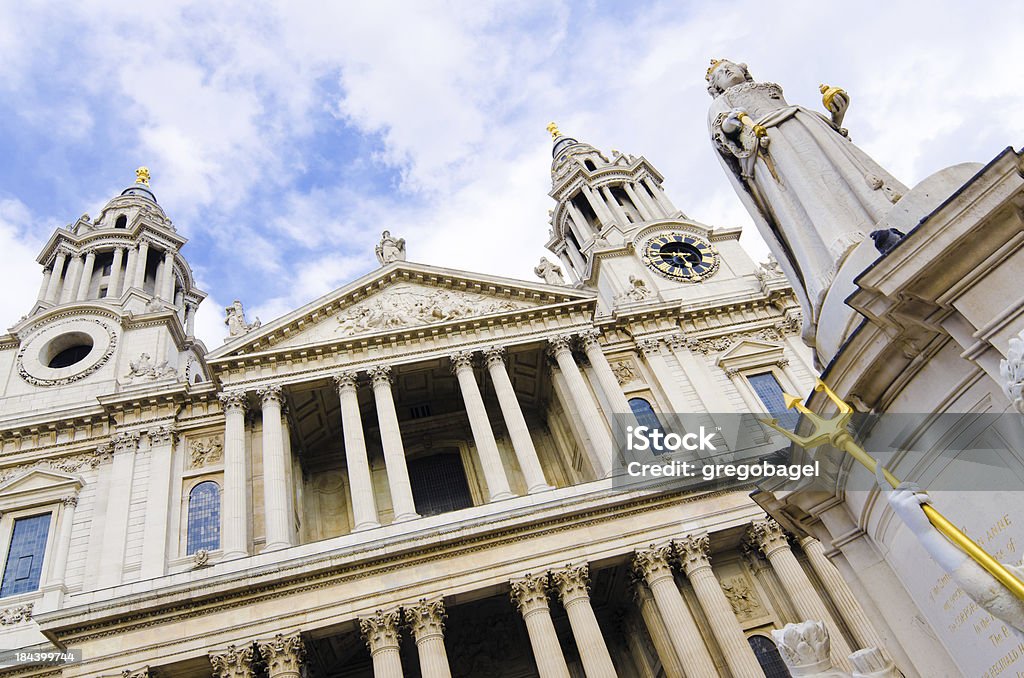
(615, 230)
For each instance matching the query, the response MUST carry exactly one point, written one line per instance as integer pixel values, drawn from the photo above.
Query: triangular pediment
(37, 485)
(397, 298)
(749, 347)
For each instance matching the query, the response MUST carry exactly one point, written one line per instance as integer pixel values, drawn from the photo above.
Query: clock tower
(616, 231)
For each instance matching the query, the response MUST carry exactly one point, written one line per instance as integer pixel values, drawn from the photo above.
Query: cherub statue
(235, 320)
(143, 367)
(390, 249)
(638, 289)
(549, 272)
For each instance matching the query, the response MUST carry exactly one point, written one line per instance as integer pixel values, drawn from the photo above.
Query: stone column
(140, 265)
(614, 205)
(530, 595)
(402, 503)
(660, 196)
(483, 436)
(573, 586)
(234, 662)
(234, 537)
(608, 382)
(58, 570)
(57, 276)
(772, 542)
(283, 655)
(83, 284)
(658, 631)
(559, 347)
(129, 269)
(275, 474)
(360, 480)
(45, 285)
(190, 320)
(739, 382)
(640, 205)
(426, 619)
(115, 529)
(70, 289)
(596, 204)
(380, 630)
(653, 565)
(114, 281)
(518, 431)
(694, 554)
(167, 282)
(651, 349)
(851, 611)
(583, 231)
(158, 498)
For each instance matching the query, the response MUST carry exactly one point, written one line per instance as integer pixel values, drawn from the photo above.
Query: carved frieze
(744, 602)
(623, 372)
(72, 464)
(205, 451)
(15, 615)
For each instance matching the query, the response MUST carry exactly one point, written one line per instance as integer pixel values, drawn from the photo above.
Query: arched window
(439, 484)
(203, 518)
(645, 416)
(122, 222)
(768, 657)
(590, 165)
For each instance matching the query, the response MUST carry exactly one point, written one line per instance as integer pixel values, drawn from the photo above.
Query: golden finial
(711, 68)
(828, 93)
(553, 128)
(142, 176)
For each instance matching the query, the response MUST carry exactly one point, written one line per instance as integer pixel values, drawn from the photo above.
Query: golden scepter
(834, 431)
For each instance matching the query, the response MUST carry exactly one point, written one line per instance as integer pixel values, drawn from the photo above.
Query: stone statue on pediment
(549, 272)
(235, 320)
(390, 249)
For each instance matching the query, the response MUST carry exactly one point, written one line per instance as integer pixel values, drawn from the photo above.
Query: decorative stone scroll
(234, 662)
(283, 655)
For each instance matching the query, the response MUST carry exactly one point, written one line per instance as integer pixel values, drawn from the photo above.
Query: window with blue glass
(768, 657)
(645, 416)
(203, 518)
(24, 564)
(770, 392)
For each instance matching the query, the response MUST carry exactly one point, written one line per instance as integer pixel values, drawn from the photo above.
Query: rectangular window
(24, 564)
(770, 392)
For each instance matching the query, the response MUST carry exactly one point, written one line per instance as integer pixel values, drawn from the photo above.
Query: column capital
(125, 442)
(234, 662)
(230, 400)
(283, 654)
(678, 341)
(380, 630)
(694, 552)
(559, 344)
(144, 672)
(270, 393)
(573, 583)
(426, 618)
(530, 593)
(648, 346)
(380, 375)
(162, 435)
(782, 362)
(654, 563)
(768, 536)
(494, 355)
(70, 500)
(345, 380)
(589, 339)
(461, 360)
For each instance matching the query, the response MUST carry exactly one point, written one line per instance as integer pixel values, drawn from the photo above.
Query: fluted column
(486, 447)
(573, 588)
(608, 382)
(275, 473)
(158, 498)
(70, 289)
(658, 631)
(530, 596)
(402, 503)
(518, 431)
(364, 504)
(234, 538)
(86, 278)
(140, 265)
(696, 561)
(57, 276)
(770, 538)
(560, 349)
(380, 630)
(841, 594)
(114, 282)
(115, 527)
(654, 566)
(283, 655)
(426, 619)
(233, 662)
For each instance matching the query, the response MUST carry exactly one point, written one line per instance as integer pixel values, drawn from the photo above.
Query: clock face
(681, 256)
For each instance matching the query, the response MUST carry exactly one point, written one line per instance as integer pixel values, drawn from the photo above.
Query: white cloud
(22, 275)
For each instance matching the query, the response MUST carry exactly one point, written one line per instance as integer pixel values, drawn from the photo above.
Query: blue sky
(283, 137)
